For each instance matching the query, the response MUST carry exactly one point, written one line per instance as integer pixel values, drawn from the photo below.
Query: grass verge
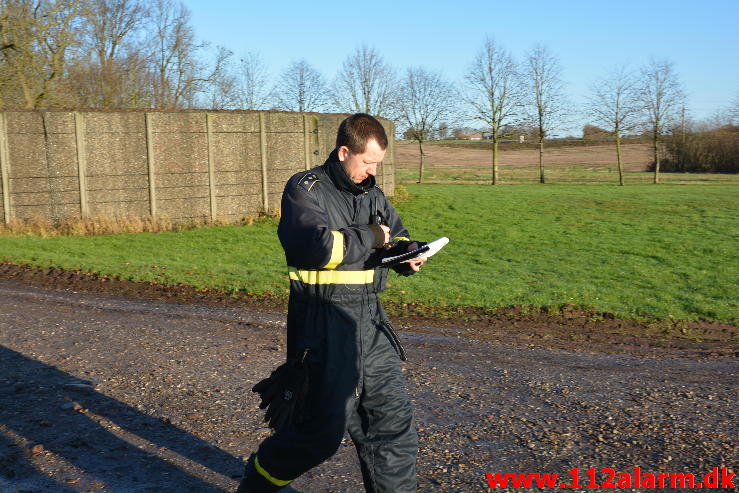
(667, 252)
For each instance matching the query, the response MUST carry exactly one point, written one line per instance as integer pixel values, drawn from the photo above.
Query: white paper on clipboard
(425, 251)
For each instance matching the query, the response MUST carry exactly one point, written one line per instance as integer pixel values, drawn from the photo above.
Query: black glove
(284, 393)
(400, 247)
(404, 269)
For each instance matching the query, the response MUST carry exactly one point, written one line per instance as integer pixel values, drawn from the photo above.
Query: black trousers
(357, 386)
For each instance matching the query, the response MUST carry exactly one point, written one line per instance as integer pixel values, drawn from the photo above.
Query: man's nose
(372, 170)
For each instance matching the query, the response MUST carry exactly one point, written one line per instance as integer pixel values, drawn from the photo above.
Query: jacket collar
(342, 181)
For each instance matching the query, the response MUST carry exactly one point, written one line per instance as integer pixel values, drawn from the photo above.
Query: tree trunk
(420, 167)
(106, 86)
(25, 84)
(541, 160)
(495, 161)
(655, 142)
(618, 159)
(28, 98)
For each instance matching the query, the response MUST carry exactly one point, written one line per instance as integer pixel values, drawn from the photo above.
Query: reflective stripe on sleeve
(337, 251)
(332, 276)
(268, 476)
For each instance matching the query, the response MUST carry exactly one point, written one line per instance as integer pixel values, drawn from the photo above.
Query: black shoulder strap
(308, 180)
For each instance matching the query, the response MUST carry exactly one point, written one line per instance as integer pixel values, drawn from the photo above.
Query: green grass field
(638, 251)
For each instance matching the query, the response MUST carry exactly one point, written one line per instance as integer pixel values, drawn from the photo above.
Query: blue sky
(588, 37)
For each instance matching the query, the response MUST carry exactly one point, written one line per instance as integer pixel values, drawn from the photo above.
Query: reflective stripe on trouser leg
(268, 476)
(381, 425)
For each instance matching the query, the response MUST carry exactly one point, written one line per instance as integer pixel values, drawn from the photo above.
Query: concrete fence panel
(42, 173)
(223, 165)
(116, 162)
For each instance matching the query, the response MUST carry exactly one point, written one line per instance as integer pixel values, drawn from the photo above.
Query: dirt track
(105, 393)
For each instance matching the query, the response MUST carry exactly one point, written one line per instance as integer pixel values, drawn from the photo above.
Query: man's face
(359, 166)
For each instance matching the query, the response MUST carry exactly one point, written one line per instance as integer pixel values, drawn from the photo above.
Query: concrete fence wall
(180, 165)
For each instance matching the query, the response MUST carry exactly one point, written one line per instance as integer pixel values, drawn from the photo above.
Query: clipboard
(426, 251)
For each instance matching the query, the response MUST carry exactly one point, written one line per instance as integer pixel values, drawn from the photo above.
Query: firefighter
(336, 326)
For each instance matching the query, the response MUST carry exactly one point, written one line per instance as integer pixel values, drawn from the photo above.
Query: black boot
(253, 482)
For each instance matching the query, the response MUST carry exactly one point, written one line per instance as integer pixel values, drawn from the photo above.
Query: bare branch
(112, 29)
(424, 103)
(545, 100)
(365, 84)
(252, 82)
(37, 37)
(614, 105)
(301, 88)
(614, 101)
(181, 76)
(733, 111)
(493, 92)
(661, 97)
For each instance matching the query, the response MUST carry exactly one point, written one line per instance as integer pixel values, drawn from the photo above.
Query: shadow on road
(103, 440)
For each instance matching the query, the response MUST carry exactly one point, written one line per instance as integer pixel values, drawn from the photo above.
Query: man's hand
(386, 230)
(409, 267)
(415, 263)
(382, 234)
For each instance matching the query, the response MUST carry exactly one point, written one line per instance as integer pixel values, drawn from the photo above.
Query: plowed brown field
(635, 156)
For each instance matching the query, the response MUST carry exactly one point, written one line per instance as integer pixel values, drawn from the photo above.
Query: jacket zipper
(360, 362)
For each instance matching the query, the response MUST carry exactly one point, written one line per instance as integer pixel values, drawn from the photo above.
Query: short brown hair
(357, 130)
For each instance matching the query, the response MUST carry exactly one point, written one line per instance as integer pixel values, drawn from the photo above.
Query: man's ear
(343, 153)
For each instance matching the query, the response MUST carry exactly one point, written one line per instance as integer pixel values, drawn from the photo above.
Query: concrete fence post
(211, 166)
(263, 153)
(5, 167)
(150, 164)
(79, 134)
(390, 156)
(306, 137)
(384, 181)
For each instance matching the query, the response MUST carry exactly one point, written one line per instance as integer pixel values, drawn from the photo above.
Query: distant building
(477, 136)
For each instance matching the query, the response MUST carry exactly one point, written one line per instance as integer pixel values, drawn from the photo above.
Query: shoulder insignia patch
(308, 180)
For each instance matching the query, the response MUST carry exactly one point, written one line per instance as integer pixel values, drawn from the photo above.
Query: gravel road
(109, 394)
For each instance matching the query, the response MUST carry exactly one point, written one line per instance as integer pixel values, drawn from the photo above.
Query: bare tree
(424, 102)
(733, 111)
(614, 105)
(365, 84)
(173, 39)
(661, 97)
(221, 90)
(181, 75)
(112, 29)
(241, 85)
(35, 39)
(300, 88)
(493, 92)
(252, 79)
(112, 53)
(545, 97)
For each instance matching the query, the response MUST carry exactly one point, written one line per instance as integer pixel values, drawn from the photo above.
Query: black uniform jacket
(325, 231)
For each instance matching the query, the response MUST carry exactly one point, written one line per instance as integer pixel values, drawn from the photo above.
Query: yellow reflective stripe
(332, 276)
(337, 251)
(273, 480)
(399, 238)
